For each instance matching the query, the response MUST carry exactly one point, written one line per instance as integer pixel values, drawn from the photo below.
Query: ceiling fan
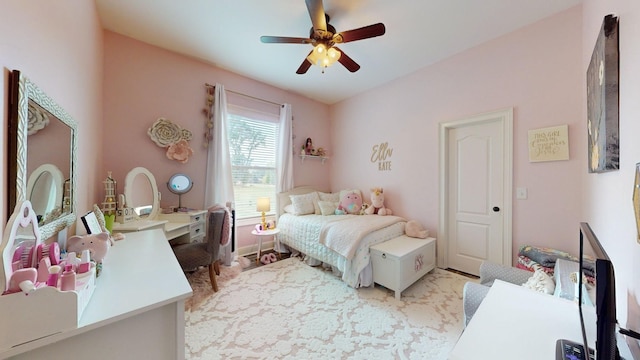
(323, 37)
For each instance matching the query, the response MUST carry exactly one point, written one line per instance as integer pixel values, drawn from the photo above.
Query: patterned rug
(288, 310)
(201, 284)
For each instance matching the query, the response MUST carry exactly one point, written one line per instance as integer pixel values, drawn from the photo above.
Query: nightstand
(260, 235)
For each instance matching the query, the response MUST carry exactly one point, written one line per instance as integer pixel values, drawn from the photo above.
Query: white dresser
(189, 226)
(400, 262)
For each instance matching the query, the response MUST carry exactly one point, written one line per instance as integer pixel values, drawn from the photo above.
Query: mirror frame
(20, 92)
(129, 188)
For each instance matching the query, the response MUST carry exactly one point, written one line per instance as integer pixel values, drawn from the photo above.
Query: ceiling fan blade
(347, 62)
(284, 40)
(316, 12)
(306, 64)
(360, 33)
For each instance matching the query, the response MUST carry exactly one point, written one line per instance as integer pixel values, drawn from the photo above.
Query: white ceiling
(227, 33)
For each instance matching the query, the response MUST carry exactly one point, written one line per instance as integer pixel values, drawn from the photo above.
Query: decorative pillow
(304, 204)
(541, 282)
(289, 209)
(333, 197)
(327, 207)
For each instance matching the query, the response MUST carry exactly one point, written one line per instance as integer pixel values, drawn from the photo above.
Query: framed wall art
(602, 100)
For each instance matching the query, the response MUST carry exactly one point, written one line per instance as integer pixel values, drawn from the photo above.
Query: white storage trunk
(400, 262)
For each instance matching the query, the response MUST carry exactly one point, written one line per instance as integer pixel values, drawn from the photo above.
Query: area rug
(201, 284)
(288, 310)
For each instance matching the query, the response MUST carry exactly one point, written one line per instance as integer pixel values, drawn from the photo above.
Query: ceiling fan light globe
(333, 54)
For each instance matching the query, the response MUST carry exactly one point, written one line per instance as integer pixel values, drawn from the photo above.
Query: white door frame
(506, 120)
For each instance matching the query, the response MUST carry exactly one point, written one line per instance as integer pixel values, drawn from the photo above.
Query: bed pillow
(289, 209)
(327, 207)
(304, 204)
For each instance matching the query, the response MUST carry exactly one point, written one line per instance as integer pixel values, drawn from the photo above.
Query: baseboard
(253, 249)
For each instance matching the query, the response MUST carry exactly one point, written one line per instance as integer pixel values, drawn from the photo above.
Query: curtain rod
(245, 95)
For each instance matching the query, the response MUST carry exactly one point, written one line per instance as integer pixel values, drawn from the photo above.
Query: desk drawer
(196, 230)
(198, 218)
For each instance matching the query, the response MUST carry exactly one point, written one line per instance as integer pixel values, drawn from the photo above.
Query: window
(252, 141)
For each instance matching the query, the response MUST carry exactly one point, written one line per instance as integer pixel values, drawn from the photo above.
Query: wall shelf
(315, 157)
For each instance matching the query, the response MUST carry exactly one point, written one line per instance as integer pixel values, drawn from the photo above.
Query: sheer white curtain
(284, 158)
(219, 183)
(284, 155)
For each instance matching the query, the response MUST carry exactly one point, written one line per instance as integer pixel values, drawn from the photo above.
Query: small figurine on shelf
(308, 146)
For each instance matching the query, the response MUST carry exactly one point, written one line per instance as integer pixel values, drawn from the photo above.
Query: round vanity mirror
(141, 193)
(179, 184)
(44, 190)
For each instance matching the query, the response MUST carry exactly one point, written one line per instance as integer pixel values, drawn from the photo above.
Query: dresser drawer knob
(384, 256)
(197, 218)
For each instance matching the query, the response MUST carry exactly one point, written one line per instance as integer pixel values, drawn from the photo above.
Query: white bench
(401, 261)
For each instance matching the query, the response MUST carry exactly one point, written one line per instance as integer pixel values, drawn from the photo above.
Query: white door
(477, 192)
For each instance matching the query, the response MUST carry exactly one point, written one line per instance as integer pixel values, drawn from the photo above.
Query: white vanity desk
(188, 224)
(136, 311)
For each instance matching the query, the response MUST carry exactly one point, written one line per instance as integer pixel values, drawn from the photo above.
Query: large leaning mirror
(141, 193)
(42, 141)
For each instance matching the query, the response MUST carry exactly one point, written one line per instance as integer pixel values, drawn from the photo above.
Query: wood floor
(252, 259)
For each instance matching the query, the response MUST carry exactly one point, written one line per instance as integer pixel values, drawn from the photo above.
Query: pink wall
(607, 197)
(143, 83)
(58, 46)
(532, 70)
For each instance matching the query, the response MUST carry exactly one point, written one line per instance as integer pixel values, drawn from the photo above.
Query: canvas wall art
(602, 100)
(549, 144)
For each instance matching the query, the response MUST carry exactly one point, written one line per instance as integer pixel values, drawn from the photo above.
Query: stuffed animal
(351, 203)
(363, 209)
(415, 229)
(97, 244)
(377, 203)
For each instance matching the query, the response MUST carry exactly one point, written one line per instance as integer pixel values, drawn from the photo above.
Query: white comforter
(344, 233)
(303, 234)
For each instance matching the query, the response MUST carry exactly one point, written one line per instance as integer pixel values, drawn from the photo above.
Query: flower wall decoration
(172, 137)
(179, 151)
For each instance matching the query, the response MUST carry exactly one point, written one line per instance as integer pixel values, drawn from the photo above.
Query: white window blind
(252, 141)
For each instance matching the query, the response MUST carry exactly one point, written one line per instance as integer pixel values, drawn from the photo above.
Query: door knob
(496, 209)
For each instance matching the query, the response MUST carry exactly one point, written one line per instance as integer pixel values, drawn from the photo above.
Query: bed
(340, 241)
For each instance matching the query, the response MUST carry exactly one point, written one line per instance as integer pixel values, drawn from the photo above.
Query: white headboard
(284, 199)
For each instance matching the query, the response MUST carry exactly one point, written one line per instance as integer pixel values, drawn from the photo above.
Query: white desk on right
(514, 322)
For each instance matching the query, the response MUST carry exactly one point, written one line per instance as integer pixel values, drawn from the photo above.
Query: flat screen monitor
(605, 302)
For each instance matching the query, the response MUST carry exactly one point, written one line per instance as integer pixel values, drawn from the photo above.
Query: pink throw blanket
(226, 223)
